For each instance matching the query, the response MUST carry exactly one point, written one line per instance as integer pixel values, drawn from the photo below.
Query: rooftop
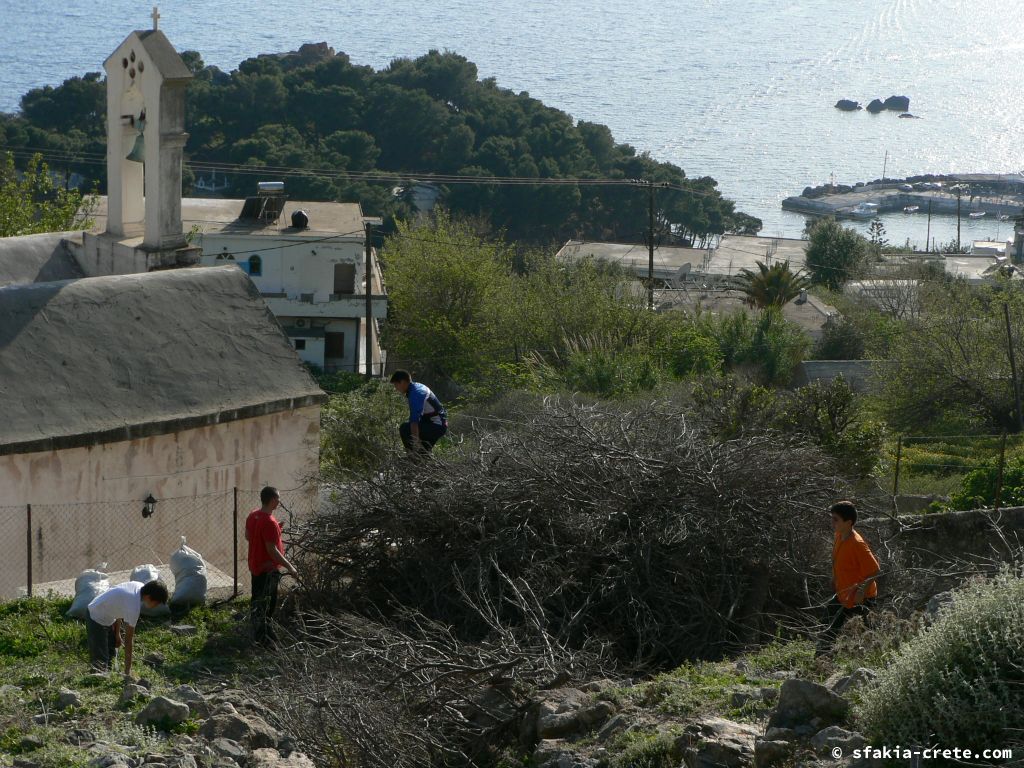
(220, 216)
(105, 359)
(36, 259)
(733, 254)
(810, 314)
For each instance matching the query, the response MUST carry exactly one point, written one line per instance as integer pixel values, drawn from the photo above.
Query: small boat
(862, 211)
(1004, 217)
(976, 214)
(911, 208)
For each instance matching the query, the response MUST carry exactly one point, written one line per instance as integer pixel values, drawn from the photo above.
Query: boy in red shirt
(266, 557)
(854, 571)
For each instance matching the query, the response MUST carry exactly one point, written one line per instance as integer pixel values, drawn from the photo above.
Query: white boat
(863, 211)
(1004, 217)
(911, 208)
(976, 215)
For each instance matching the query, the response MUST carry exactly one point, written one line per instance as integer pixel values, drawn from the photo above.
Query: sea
(739, 90)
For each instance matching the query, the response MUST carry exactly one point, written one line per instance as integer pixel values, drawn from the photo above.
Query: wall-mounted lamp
(148, 506)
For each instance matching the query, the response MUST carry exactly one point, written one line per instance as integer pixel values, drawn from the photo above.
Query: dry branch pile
(628, 533)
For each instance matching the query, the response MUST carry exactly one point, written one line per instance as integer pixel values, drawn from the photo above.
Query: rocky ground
(191, 704)
(185, 707)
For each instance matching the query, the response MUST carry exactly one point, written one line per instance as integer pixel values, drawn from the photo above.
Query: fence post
(896, 478)
(234, 542)
(28, 550)
(1002, 461)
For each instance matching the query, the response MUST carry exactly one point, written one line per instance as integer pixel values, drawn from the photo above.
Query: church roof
(106, 359)
(167, 61)
(37, 259)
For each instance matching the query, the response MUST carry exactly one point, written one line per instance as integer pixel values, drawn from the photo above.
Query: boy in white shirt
(107, 612)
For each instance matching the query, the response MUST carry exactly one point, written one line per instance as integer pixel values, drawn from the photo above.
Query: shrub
(360, 429)
(960, 681)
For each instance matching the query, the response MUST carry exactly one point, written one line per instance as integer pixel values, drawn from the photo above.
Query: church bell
(138, 153)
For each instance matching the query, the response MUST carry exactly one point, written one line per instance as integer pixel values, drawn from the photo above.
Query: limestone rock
(181, 761)
(68, 698)
(801, 701)
(183, 630)
(162, 709)
(229, 748)
(768, 752)
(197, 703)
(875, 106)
(834, 736)
(131, 693)
(80, 737)
(846, 105)
(113, 760)
(271, 758)
(251, 731)
(898, 103)
(612, 728)
(717, 743)
(9, 690)
(780, 734)
(856, 679)
(154, 659)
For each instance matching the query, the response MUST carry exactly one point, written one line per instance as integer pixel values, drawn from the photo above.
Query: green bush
(959, 682)
(979, 487)
(358, 429)
(691, 350)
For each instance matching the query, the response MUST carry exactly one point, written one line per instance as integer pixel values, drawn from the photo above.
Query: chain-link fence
(47, 546)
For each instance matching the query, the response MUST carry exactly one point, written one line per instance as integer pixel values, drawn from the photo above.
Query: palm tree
(773, 286)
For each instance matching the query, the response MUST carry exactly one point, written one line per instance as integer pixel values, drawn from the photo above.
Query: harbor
(974, 196)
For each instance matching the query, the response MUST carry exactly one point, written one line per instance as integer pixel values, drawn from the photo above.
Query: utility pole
(650, 246)
(884, 164)
(928, 233)
(959, 191)
(368, 235)
(1013, 368)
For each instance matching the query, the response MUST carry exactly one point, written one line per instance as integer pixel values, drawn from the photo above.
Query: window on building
(300, 344)
(255, 266)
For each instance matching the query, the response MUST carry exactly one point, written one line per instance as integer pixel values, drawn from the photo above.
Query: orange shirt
(852, 562)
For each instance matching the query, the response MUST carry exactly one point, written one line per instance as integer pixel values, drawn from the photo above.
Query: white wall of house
(295, 267)
(309, 285)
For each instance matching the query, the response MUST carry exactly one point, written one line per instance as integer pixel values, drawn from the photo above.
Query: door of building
(344, 278)
(334, 351)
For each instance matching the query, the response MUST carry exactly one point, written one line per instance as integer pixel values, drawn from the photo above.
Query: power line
(92, 158)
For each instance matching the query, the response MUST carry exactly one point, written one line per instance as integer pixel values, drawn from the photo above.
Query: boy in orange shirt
(854, 571)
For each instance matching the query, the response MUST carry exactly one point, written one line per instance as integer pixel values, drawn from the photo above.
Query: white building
(313, 278)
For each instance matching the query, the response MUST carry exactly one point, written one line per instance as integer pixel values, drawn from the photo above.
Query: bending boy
(119, 606)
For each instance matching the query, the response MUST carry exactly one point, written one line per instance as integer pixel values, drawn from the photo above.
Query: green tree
(31, 201)
(835, 254)
(773, 286)
(953, 358)
(449, 296)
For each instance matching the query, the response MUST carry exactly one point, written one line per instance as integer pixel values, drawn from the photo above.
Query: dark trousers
(263, 605)
(839, 614)
(101, 645)
(430, 433)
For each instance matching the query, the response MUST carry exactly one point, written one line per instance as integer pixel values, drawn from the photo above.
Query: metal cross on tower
(156, 17)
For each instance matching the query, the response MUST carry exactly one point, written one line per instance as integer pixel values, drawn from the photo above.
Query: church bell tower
(146, 83)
